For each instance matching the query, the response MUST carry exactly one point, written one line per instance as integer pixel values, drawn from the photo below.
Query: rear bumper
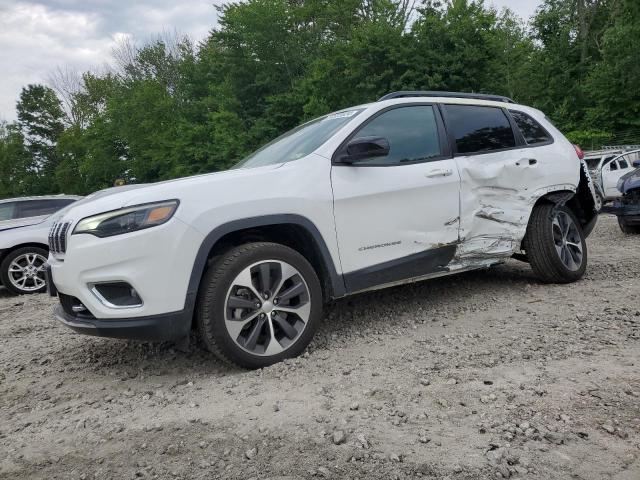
(168, 326)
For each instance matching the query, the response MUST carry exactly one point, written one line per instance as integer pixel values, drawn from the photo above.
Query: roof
(41, 197)
(437, 94)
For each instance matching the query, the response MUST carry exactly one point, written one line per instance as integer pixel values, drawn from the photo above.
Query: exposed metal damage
(497, 199)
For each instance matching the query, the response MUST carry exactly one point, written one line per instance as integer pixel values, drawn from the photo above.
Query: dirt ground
(482, 375)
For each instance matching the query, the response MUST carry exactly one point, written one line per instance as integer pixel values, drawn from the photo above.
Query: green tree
(171, 108)
(16, 163)
(40, 117)
(613, 82)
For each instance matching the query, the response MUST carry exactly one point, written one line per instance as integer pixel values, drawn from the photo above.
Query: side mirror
(636, 163)
(365, 147)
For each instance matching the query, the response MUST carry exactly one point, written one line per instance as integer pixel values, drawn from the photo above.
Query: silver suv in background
(24, 229)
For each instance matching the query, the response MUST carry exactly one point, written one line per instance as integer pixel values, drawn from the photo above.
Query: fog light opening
(116, 294)
(79, 308)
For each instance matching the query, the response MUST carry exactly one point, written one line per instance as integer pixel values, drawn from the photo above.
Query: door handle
(439, 173)
(530, 161)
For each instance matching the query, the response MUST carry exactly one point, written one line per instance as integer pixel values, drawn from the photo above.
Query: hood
(128, 195)
(630, 181)
(22, 222)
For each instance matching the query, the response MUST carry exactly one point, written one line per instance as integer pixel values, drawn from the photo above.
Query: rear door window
(479, 129)
(532, 131)
(7, 210)
(37, 208)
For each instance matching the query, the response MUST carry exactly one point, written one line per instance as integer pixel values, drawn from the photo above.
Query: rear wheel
(555, 244)
(22, 271)
(626, 228)
(259, 304)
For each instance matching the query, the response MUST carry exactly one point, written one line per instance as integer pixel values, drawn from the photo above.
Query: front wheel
(555, 244)
(22, 271)
(259, 304)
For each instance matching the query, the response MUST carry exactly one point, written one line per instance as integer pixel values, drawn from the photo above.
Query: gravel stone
(542, 373)
(339, 437)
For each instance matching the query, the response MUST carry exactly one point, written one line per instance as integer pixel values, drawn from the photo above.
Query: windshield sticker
(348, 114)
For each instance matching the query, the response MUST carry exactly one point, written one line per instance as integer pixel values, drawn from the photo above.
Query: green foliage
(589, 139)
(16, 163)
(40, 122)
(172, 108)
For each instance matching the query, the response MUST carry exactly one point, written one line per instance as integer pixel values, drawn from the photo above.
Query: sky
(37, 37)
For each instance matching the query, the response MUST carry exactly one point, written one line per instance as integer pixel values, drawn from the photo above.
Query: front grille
(58, 237)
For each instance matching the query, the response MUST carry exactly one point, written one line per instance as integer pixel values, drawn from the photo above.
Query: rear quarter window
(532, 131)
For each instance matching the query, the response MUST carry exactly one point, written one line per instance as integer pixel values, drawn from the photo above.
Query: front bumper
(629, 211)
(168, 326)
(156, 262)
(631, 220)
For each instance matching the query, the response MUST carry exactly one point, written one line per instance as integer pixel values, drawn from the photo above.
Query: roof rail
(418, 93)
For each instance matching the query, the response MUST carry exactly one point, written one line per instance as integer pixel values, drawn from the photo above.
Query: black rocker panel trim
(416, 265)
(336, 281)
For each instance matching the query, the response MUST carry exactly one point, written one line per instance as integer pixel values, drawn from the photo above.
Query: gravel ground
(481, 375)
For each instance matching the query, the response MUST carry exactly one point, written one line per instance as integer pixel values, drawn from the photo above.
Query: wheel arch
(7, 251)
(292, 230)
(581, 202)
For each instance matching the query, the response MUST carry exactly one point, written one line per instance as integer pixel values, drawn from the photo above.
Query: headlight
(127, 219)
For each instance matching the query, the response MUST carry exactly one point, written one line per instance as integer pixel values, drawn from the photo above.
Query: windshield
(300, 141)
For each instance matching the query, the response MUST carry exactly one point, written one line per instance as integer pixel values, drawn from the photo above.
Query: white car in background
(607, 169)
(24, 228)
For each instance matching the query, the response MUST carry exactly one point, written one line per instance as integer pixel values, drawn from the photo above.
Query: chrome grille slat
(58, 237)
(63, 237)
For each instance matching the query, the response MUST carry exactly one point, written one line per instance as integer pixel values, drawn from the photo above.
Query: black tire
(30, 285)
(212, 309)
(542, 252)
(626, 228)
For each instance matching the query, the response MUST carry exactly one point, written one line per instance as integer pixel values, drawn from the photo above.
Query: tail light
(579, 152)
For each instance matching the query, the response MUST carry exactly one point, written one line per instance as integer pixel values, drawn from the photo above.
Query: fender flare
(581, 201)
(200, 263)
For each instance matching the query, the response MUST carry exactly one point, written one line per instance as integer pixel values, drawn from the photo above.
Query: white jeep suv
(415, 186)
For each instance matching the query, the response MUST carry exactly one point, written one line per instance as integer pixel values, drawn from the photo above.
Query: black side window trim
(445, 145)
(517, 129)
(520, 143)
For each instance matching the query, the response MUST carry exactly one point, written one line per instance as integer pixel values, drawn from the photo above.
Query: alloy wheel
(267, 307)
(567, 240)
(26, 272)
